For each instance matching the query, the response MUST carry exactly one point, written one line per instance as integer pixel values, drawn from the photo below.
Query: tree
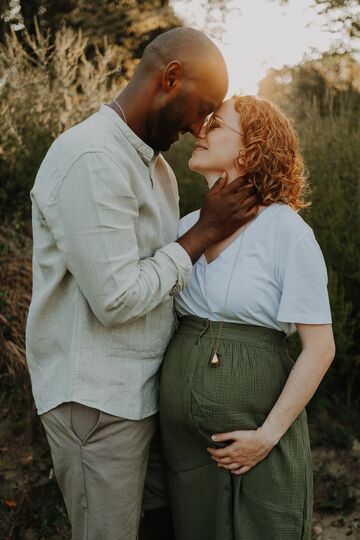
(343, 15)
(329, 82)
(129, 24)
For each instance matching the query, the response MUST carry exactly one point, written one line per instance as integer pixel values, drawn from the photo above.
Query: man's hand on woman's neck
(213, 176)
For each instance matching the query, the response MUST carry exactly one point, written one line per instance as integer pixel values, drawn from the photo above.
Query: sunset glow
(259, 35)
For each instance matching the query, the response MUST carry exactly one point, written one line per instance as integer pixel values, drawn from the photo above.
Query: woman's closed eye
(214, 124)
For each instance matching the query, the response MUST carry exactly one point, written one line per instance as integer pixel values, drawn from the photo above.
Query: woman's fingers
(219, 452)
(236, 468)
(225, 460)
(241, 470)
(231, 466)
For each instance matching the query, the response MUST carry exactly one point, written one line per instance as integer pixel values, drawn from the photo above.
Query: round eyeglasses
(212, 119)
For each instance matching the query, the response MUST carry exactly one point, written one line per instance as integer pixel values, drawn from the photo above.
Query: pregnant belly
(238, 394)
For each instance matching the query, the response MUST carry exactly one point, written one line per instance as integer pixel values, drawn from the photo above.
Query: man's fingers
(247, 200)
(220, 182)
(239, 184)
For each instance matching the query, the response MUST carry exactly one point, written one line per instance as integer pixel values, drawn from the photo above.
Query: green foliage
(331, 147)
(128, 24)
(46, 88)
(329, 84)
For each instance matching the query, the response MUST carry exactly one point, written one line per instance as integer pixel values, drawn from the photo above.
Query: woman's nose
(201, 131)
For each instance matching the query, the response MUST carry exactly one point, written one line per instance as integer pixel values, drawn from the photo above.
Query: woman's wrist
(269, 435)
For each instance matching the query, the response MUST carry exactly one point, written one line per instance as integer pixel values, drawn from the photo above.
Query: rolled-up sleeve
(94, 225)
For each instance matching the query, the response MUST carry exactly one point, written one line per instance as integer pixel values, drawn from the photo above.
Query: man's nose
(198, 129)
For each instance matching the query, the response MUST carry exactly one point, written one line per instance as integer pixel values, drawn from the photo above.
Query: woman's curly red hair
(272, 160)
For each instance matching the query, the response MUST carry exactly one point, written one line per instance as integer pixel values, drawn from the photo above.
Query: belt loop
(203, 331)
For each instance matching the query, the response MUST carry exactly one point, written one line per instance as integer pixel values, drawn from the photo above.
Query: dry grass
(15, 295)
(47, 84)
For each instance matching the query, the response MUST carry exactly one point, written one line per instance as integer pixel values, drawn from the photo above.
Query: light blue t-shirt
(279, 279)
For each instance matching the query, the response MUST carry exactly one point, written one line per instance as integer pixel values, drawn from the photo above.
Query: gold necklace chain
(121, 110)
(215, 356)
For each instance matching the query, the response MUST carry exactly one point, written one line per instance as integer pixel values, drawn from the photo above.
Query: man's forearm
(196, 241)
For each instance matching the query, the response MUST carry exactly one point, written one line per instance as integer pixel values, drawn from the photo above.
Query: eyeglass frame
(209, 120)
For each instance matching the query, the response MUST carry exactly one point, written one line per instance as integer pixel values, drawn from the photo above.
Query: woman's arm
(251, 446)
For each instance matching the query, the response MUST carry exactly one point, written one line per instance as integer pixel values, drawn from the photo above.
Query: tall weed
(46, 86)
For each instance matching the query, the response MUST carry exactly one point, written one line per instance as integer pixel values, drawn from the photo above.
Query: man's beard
(168, 123)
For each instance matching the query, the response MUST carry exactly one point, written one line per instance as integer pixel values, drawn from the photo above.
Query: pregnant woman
(234, 428)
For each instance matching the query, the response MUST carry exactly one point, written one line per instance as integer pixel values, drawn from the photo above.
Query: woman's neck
(213, 176)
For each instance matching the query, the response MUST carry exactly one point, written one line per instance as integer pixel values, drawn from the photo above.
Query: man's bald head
(180, 79)
(198, 55)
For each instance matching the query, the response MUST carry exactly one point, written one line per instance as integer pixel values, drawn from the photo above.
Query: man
(106, 266)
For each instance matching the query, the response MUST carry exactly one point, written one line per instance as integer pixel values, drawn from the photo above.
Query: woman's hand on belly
(247, 448)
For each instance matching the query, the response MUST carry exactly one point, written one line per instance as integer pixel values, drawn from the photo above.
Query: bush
(331, 147)
(47, 86)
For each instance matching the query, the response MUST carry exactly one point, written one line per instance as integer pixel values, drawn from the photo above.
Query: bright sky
(260, 34)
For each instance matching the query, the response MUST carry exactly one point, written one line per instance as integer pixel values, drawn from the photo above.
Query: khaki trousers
(101, 462)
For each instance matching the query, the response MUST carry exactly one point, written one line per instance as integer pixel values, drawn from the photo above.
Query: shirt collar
(146, 153)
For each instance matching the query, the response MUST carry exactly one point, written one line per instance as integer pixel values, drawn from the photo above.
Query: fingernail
(213, 438)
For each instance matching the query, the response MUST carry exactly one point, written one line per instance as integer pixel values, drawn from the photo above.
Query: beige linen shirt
(105, 266)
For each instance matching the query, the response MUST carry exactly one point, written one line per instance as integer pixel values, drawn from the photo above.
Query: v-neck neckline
(235, 241)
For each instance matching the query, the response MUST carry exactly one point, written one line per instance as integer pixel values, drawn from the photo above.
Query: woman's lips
(198, 147)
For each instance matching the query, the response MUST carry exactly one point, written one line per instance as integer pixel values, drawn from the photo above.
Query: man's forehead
(208, 106)
(212, 97)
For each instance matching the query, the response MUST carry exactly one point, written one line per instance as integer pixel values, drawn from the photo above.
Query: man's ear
(172, 76)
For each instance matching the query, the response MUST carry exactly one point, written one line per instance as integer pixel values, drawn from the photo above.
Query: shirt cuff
(183, 263)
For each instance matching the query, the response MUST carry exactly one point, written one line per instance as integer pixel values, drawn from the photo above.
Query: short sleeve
(303, 279)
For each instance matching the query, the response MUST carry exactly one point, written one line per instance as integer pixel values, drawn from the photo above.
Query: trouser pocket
(84, 421)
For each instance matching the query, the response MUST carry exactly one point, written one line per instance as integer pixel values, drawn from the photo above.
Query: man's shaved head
(180, 79)
(198, 55)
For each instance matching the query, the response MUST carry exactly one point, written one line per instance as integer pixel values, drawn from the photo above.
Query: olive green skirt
(273, 501)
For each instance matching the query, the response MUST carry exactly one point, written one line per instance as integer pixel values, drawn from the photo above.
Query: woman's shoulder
(287, 223)
(187, 222)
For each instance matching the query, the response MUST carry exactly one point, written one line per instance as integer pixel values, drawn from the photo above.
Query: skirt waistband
(231, 331)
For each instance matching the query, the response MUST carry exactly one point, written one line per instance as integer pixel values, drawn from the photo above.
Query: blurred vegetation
(342, 17)
(46, 88)
(53, 75)
(127, 24)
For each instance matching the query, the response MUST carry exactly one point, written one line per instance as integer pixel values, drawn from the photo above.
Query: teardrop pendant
(215, 360)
